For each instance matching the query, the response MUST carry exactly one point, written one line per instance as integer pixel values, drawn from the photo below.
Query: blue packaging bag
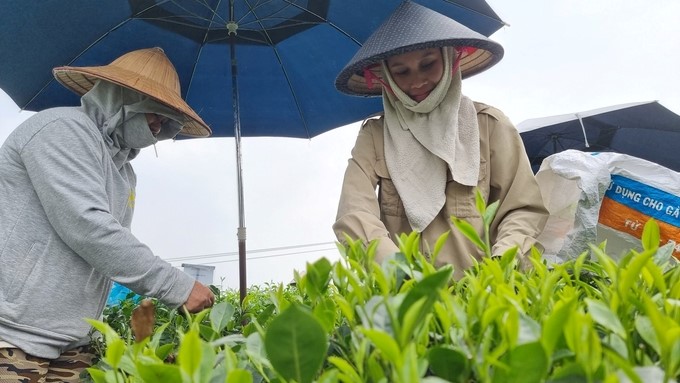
(119, 293)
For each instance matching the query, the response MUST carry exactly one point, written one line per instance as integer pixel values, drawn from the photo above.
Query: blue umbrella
(249, 68)
(646, 130)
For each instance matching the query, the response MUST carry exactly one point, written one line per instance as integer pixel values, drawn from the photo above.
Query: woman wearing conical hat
(433, 147)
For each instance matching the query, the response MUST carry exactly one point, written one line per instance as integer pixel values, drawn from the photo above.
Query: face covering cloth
(424, 140)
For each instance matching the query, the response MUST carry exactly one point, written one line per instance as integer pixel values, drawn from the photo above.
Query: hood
(120, 116)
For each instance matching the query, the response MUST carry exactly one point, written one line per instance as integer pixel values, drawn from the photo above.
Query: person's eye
(400, 73)
(427, 65)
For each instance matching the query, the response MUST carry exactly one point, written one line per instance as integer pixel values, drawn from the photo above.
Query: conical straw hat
(147, 71)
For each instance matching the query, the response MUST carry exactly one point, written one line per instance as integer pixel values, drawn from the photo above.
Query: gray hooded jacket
(67, 195)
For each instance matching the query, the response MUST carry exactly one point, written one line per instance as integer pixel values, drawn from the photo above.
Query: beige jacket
(505, 175)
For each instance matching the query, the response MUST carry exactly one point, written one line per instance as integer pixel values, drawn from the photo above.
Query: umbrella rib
(583, 129)
(193, 14)
(75, 57)
(452, 2)
(330, 23)
(200, 51)
(285, 74)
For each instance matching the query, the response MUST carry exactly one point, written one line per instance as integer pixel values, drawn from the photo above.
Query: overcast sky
(560, 57)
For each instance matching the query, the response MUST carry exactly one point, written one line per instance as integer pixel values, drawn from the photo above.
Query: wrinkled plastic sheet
(593, 197)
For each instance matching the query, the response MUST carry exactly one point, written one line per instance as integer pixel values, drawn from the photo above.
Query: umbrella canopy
(249, 68)
(645, 130)
(287, 53)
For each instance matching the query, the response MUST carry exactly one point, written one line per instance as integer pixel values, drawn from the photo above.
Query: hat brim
(81, 80)
(352, 81)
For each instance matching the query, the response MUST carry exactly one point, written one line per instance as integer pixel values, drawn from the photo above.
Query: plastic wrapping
(593, 197)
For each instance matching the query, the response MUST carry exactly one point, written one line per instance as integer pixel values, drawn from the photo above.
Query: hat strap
(371, 77)
(460, 53)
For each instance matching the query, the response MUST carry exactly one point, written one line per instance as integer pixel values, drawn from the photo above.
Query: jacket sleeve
(521, 214)
(359, 211)
(65, 164)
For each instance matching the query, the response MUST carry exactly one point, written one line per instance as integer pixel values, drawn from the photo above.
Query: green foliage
(590, 319)
(296, 344)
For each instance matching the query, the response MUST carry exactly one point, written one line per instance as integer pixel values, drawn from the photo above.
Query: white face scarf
(423, 140)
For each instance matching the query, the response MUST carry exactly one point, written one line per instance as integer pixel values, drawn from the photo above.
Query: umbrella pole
(241, 232)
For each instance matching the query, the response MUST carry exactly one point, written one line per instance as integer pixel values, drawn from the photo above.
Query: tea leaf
(664, 255)
(220, 315)
(408, 244)
(644, 327)
(605, 317)
(480, 203)
(98, 376)
(529, 330)
(325, 311)
(632, 272)
(508, 257)
(158, 334)
(553, 325)
(374, 369)
(207, 365)
(239, 375)
(490, 213)
(345, 307)
(527, 363)
(623, 364)
(439, 244)
(410, 368)
(386, 344)
(163, 351)
(207, 332)
(346, 369)
(109, 333)
(673, 362)
(114, 352)
(650, 374)
(230, 360)
(617, 344)
(441, 313)
(380, 278)
(667, 333)
(413, 318)
(296, 344)
(266, 313)
(428, 287)
(656, 274)
(449, 364)
(492, 313)
(606, 262)
(190, 352)
(329, 376)
(158, 372)
(318, 275)
(470, 233)
(255, 349)
(650, 235)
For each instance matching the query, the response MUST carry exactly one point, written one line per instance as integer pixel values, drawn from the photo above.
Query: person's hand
(201, 298)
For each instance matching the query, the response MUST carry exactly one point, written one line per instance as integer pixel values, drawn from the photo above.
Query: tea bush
(591, 319)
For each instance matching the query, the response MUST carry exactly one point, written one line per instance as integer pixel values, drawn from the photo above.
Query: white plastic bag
(594, 197)
(572, 184)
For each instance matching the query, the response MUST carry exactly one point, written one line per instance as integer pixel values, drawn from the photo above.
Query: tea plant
(590, 319)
